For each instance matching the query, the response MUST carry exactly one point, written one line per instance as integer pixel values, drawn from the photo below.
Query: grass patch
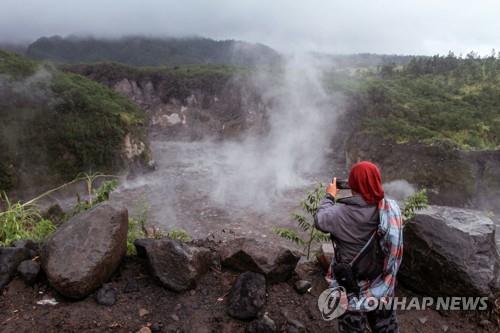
(20, 221)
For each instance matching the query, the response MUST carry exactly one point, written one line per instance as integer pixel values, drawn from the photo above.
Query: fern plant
(413, 203)
(305, 222)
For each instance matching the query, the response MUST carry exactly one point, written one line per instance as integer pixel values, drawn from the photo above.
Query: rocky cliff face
(453, 177)
(188, 105)
(226, 112)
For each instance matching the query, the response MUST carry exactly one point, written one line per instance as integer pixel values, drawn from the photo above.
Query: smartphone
(342, 184)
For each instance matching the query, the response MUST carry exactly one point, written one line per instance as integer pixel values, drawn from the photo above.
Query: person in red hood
(352, 222)
(365, 180)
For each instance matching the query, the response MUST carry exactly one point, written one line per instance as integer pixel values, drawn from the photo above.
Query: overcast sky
(336, 26)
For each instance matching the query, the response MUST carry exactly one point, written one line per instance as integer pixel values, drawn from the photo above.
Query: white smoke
(31, 90)
(399, 189)
(301, 118)
(203, 185)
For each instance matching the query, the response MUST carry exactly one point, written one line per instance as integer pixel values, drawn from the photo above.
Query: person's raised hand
(332, 188)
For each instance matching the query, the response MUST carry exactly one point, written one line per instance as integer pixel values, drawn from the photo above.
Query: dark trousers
(379, 321)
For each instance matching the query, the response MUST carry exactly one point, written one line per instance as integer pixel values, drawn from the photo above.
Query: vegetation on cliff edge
(57, 123)
(429, 100)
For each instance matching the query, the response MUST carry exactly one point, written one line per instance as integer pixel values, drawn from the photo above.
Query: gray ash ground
(203, 188)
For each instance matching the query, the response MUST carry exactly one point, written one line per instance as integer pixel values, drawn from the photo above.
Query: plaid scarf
(390, 235)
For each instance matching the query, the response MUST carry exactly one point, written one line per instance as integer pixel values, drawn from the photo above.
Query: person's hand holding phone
(332, 188)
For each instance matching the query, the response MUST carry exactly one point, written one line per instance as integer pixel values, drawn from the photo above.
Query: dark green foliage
(430, 100)
(87, 125)
(144, 51)
(55, 123)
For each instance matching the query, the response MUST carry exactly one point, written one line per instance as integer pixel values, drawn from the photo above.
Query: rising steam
(301, 124)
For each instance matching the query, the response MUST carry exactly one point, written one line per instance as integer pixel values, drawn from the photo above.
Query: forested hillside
(143, 51)
(435, 99)
(54, 125)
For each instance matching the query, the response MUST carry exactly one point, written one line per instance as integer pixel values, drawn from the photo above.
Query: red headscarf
(366, 180)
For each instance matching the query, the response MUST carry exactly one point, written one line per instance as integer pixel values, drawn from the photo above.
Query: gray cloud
(338, 26)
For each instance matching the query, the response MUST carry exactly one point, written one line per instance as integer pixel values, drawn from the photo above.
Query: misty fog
(389, 26)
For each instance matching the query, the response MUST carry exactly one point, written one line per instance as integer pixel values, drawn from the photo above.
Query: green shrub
(60, 124)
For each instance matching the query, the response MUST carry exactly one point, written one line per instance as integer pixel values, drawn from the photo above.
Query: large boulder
(84, 252)
(277, 263)
(247, 296)
(450, 252)
(10, 258)
(176, 265)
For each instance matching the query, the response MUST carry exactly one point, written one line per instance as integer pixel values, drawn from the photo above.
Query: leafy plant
(95, 195)
(305, 222)
(22, 221)
(413, 203)
(103, 192)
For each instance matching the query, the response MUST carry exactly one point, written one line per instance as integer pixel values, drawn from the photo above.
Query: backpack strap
(362, 252)
(358, 256)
